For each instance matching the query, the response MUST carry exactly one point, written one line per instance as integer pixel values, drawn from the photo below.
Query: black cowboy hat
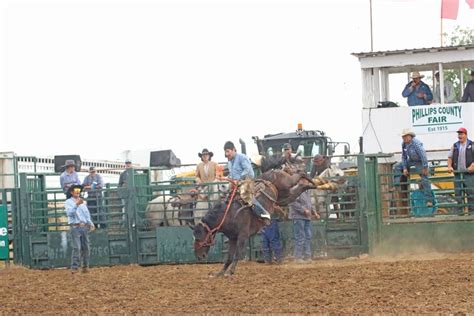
(71, 188)
(206, 152)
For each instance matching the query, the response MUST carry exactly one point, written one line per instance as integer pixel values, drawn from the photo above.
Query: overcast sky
(101, 77)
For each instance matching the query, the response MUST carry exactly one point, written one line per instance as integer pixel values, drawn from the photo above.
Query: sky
(98, 78)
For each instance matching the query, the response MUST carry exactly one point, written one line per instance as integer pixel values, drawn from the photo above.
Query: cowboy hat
(407, 131)
(257, 160)
(69, 163)
(206, 152)
(416, 74)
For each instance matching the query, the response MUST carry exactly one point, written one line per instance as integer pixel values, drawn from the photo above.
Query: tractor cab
(306, 143)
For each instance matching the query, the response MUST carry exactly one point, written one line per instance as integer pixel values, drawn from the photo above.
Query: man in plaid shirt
(414, 158)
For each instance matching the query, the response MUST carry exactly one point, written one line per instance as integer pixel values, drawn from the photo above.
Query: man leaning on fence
(461, 160)
(414, 159)
(69, 177)
(80, 222)
(94, 183)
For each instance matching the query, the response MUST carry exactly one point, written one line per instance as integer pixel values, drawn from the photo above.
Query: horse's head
(203, 239)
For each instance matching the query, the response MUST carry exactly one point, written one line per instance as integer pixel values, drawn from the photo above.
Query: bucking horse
(236, 219)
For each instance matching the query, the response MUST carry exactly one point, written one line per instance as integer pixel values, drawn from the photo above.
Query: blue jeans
(464, 188)
(80, 247)
(417, 168)
(271, 242)
(302, 233)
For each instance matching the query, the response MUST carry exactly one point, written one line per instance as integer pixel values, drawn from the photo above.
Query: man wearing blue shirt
(79, 219)
(240, 168)
(414, 156)
(69, 177)
(417, 92)
(94, 183)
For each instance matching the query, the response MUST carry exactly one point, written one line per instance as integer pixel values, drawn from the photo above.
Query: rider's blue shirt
(240, 167)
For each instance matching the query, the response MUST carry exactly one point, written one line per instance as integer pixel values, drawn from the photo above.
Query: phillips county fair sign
(436, 118)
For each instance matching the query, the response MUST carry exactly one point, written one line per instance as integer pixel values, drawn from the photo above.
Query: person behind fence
(461, 160)
(206, 170)
(292, 163)
(123, 179)
(94, 183)
(417, 92)
(449, 95)
(81, 224)
(413, 158)
(320, 163)
(240, 168)
(271, 244)
(300, 212)
(468, 94)
(69, 177)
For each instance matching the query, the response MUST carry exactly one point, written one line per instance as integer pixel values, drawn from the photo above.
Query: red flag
(449, 9)
(470, 3)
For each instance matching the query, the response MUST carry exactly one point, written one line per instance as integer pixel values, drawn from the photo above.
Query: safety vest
(469, 154)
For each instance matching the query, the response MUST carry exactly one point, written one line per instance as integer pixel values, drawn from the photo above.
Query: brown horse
(235, 220)
(289, 186)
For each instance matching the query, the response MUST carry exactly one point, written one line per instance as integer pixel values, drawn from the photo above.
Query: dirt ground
(430, 284)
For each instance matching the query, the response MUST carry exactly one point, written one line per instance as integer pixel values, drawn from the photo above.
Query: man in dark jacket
(468, 95)
(461, 160)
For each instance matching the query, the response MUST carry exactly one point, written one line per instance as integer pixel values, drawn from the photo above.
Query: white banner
(436, 118)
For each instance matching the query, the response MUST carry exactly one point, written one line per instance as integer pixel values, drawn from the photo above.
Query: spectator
(320, 163)
(449, 95)
(414, 157)
(80, 221)
(69, 177)
(461, 160)
(123, 180)
(271, 245)
(292, 163)
(417, 92)
(468, 95)
(206, 170)
(94, 183)
(240, 168)
(300, 213)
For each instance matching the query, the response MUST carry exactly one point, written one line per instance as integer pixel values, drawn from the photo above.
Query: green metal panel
(175, 245)
(4, 251)
(453, 236)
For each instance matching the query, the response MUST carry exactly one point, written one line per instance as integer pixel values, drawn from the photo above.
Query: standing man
(80, 221)
(461, 160)
(271, 245)
(468, 95)
(417, 92)
(69, 177)
(300, 213)
(292, 163)
(123, 180)
(94, 183)
(240, 168)
(320, 163)
(414, 156)
(449, 95)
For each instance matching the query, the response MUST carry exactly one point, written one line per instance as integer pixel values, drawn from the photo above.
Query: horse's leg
(238, 252)
(230, 257)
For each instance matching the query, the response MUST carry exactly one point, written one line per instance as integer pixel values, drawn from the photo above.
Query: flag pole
(371, 31)
(441, 31)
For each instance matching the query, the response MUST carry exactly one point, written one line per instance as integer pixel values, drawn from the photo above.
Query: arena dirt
(430, 284)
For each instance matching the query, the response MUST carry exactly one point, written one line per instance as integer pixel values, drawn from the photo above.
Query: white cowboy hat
(416, 74)
(407, 131)
(257, 160)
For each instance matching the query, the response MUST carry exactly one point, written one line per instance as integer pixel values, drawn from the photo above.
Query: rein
(209, 239)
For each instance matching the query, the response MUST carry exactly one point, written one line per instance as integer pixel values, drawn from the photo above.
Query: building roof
(420, 59)
(412, 51)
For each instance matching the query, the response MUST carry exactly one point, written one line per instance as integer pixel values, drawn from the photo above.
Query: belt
(79, 225)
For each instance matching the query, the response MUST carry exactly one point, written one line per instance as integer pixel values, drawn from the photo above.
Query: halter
(210, 234)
